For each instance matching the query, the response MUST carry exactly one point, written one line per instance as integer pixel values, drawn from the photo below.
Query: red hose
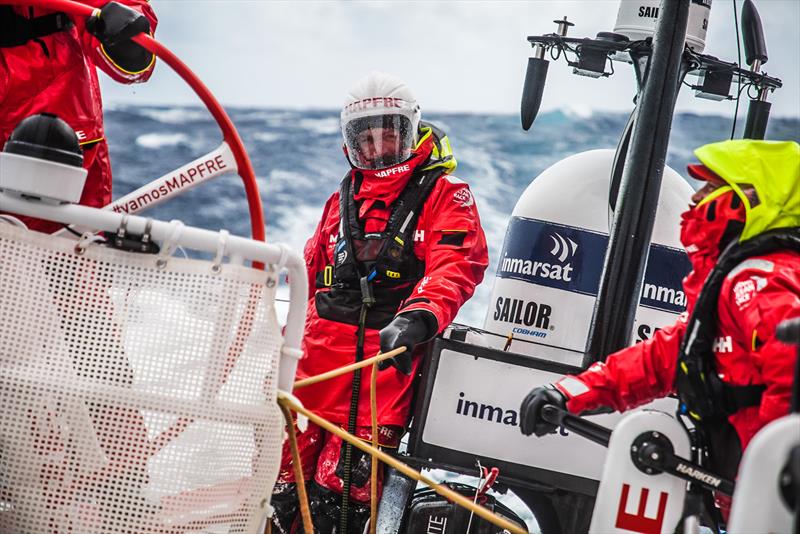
(231, 136)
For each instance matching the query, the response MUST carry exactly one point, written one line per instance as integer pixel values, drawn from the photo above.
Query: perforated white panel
(134, 399)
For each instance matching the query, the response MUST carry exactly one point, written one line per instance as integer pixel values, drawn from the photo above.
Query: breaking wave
(175, 115)
(157, 140)
(298, 174)
(326, 126)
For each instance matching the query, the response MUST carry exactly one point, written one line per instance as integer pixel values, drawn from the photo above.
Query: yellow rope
(347, 368)
(305, 512)
(373, 487)
(401, 467)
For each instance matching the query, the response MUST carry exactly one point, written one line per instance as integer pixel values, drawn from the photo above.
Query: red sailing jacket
(753, 300)
(755, 296)
(452, 270)
(56, 74)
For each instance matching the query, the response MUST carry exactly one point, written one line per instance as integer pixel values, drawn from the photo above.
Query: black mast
(629, 241)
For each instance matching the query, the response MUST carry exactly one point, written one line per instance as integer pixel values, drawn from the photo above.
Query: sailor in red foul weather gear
(47, 64)
(397, 252)
(749, 209)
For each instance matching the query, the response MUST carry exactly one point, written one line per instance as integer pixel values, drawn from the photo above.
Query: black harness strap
(402, 221)
(402, 225)
(355, 393)
(349, 228)
(16, 30)
(394, 263)
(703, 395)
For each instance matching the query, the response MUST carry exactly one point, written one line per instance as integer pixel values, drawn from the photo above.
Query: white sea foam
(577, 111)
(272, 118)
(175, 115)
(224, 206)
(293, 224)
(267, 137)
(281, 179)
(489, 182)
(326, 126)
(161, 140)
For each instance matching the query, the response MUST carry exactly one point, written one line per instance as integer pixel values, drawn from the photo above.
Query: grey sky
(457, 56)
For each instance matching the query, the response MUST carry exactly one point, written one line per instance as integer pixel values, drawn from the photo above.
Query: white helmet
(379, 120)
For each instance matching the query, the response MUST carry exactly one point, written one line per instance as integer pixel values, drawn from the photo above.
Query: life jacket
(16, 30)
(704, 396)
(378, 268)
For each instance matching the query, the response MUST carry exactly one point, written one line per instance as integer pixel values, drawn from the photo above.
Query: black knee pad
(285, 506)
(359, 514)
(362, 467)
(326, 508)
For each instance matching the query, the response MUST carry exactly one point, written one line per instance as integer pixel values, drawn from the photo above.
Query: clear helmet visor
(379, 136)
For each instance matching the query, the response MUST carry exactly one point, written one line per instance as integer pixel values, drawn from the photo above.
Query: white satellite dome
(552, 258)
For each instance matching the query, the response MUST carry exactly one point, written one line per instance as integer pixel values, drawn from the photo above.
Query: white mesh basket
(134, 399)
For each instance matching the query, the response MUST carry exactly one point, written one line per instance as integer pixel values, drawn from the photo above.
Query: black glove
(530, 413)
(114, 26)
(406, 330)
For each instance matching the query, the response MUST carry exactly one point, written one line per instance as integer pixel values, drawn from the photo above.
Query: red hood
(706, 229)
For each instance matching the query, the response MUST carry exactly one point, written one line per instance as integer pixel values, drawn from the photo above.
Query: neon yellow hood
(772, 168)
(442, 154)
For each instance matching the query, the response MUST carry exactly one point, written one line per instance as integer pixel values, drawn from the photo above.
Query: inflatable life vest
(704, 396)
(378, 268)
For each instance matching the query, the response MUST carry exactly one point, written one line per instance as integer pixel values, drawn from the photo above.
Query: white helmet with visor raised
(379, 120)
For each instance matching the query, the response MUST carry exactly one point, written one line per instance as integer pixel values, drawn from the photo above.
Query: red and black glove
(406, 330)
(114, 25)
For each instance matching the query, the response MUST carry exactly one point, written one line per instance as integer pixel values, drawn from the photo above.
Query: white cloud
(458, 56)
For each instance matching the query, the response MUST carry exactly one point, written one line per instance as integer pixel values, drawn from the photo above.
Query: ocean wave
(269, 117)
(326, 126)
(494, 186)
(442, 125)
(495, 157)
(280, 179)
(577, 111)
(175, 115)
(295, 223)
(161, 140)
(267, 137)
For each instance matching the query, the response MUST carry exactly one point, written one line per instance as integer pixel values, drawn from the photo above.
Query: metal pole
(621, 281)
(757, 118)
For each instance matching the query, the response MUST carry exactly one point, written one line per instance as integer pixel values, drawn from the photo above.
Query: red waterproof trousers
(321, 456)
